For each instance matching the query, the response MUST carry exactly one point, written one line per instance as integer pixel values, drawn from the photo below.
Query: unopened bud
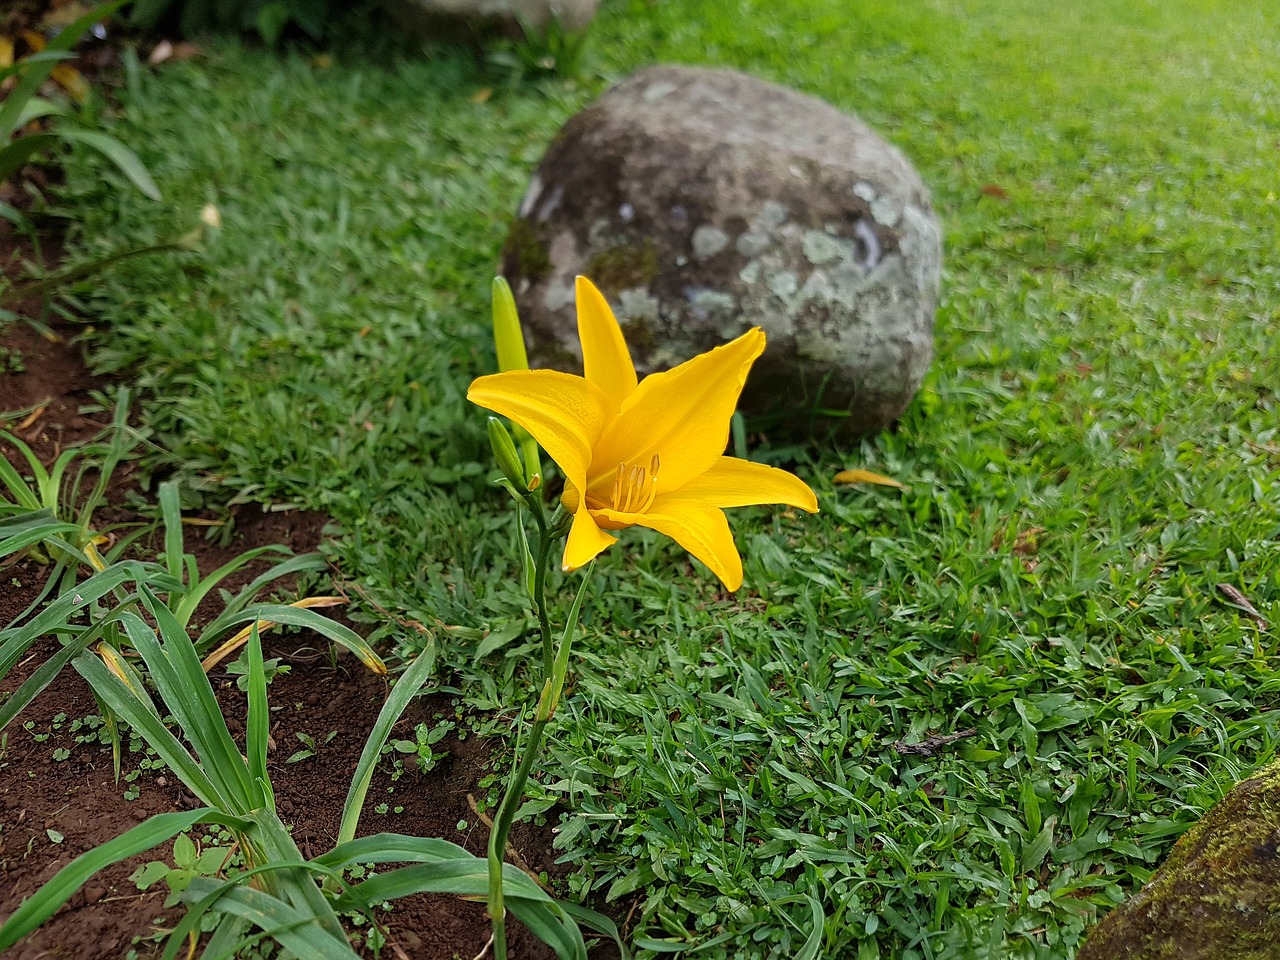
(504, 451)
(507, 336)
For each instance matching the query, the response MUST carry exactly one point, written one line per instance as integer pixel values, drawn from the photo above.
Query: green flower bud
(560, 523)
(504, 451)
(507, 336)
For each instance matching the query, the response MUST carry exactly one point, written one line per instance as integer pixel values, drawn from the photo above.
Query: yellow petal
(866, 476)
(586, 541)
(605, 358)
(682, 415)
(699, 528)
(740, 483)
(564, 413)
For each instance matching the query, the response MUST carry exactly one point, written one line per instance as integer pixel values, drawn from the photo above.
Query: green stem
(506, 812)
(502, 822)
(540, 592)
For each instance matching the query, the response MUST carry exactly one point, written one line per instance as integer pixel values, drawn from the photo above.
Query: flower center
(634, 488)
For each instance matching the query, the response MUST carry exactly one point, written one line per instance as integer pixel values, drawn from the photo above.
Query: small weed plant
(276, 892)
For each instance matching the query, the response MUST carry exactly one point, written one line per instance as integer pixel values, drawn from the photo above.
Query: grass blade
(598, 922)
(390, 848)
(17, 532)
(198, 591)
(814, 942)
(56, 617)
(13, 481)
(552, 926)
(126, 160)
(294, 930)
(34, 77)
(258, 722)
(44, 674)
(186, 691)
(122, 701)
(171, 516)
(271, 614)
(465, 874)
(407, 686)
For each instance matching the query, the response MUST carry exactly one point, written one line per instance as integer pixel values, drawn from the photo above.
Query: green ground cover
(1096, 448)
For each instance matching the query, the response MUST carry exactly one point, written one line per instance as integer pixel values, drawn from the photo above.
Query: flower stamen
(634, 487)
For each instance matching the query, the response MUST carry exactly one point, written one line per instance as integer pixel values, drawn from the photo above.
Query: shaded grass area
(1096, 448)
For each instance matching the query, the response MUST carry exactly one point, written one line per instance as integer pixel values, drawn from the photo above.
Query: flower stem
(540, 590)
(502, 822)
(506, 813)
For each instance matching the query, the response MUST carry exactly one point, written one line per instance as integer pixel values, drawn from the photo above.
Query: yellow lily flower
(644, 453)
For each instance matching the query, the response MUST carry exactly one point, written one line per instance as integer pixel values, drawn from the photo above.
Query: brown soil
(55, 805)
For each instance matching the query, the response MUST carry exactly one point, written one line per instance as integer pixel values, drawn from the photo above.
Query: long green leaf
(814, 941)
(258, 721)
(294, 930)
(12, 479)
(133, 681)
(392, 848)
(13, 156)
(186, 691)
(302, 563)
(171, 517)
(599, 923)
(24, 64)
(44, 674)
(27, 529)
(468, 875)
(39, 907)
(197, 591)
(552, 926)
(407, 686)
(51, 492)
(37, 108)
(57, 616)
(300, 617)
(268, 874)
(35, 75)
(296, 887)
(122, 440)
(226, 938)
(126, 160)
(60, 567)
(122, 701)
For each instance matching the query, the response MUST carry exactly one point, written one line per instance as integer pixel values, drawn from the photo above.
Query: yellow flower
(649, 453)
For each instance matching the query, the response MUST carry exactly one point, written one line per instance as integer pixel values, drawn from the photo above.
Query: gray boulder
(704, 202)
(469, 19)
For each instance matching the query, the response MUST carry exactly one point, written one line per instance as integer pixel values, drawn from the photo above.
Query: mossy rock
(1217, 897)
(704, 202)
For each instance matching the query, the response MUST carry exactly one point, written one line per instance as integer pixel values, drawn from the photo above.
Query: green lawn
(1096, 448)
